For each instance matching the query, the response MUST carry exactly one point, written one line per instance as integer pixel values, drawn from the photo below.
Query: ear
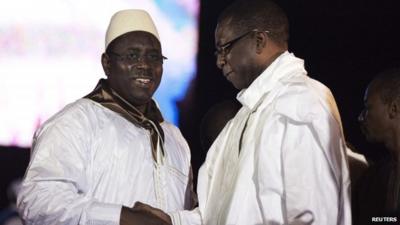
(105, 62)
(394, 109)
(261, 41)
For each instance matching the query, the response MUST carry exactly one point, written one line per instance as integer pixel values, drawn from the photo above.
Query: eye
(226, 47)
(218, 52)
(133, 56)
(222, 50)
(154, 56)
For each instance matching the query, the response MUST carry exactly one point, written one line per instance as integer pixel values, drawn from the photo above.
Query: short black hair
(263, 15)
(387, 83)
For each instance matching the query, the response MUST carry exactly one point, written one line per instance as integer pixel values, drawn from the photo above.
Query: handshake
(143, 214)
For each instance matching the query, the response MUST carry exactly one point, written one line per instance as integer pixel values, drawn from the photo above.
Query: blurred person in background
(9, 215)
(215, 120)
(378, 190)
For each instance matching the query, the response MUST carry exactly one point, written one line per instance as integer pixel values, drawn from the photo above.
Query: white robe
(88, 161)
(292, 166)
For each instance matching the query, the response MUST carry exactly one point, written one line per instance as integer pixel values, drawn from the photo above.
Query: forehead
(224, 32)
(372, 94)
(137, 40)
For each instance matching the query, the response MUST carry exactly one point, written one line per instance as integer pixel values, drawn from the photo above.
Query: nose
(220, 61)
(142, 63)
(361, 117)
(140, 67)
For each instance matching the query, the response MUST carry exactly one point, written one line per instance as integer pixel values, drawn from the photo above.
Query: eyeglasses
(224, 49)
(134, 57)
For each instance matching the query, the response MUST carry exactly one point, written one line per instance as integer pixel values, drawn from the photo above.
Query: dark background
(344, 44)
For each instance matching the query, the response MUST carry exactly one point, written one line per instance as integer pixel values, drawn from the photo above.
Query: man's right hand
(154, 211)
(137, 216)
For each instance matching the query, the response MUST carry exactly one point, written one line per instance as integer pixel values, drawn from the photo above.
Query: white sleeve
(190, 195)
(55, 186)
(186, 217)
(297, 176)
(193, 217)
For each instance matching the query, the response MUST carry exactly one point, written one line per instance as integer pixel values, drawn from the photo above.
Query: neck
(140, 108)
(269, 60)
(393, 145)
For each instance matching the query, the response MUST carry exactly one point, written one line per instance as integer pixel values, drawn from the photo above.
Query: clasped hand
(143, 214)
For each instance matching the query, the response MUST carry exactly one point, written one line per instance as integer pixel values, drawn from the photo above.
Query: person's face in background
(133, 64)
(374, 119)
(236, 55)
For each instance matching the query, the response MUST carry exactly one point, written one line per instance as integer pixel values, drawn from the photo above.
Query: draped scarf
(150, 119)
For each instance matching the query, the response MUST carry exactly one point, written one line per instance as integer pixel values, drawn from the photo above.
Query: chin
(372, 139)
(237, 86)
(138, 100)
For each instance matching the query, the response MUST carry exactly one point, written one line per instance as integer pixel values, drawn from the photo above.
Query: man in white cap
(97, 157)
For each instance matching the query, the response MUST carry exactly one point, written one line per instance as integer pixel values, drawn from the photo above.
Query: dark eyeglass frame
(224, 49)
(130, 59)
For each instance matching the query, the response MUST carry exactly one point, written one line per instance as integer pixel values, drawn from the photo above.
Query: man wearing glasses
(100, 155)
(281, 159)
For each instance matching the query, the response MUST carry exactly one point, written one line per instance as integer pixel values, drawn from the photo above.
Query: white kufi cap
(125, 21)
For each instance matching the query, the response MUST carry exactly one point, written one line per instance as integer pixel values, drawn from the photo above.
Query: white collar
(284, 66)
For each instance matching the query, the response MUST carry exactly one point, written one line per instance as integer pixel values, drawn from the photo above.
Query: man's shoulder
(304, 99)
(303, 87)
(79, 107)
(80, 112)
(171, 128)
